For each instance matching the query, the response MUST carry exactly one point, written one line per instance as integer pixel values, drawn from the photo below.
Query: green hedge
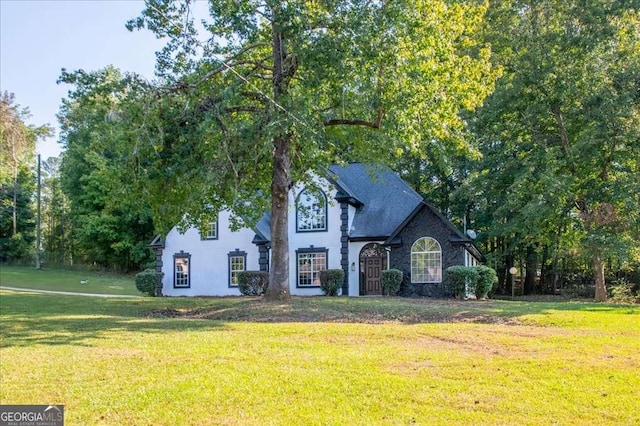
(391, 280)
(464, 280)
(253, 283)
(487, 277)
(460, 280)
(150, 282)
(331, 281)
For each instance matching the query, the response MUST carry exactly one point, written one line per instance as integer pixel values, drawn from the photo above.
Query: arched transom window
(426, 261)
(311, 211)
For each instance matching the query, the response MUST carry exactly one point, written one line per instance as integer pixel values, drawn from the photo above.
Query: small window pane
(236, 264)
(212, 231)
(181, 278)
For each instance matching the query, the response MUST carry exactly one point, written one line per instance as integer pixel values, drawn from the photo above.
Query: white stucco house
(364, 220)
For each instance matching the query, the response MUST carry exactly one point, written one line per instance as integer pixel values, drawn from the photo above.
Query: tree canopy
(561, 133)
(17, 181)
(245, 104)
(270, 90)
(110, 227)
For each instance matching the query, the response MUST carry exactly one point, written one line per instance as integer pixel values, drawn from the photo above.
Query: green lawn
(59, 280)
(336, 361)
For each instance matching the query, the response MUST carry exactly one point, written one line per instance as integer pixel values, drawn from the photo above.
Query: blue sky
(39, 38)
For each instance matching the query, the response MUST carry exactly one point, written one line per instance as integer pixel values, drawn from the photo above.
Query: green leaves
(559, 135)
(111, 224)
(17, 179)
(359, 81)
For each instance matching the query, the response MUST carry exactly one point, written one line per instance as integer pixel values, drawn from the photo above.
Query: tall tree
(273, 89)
(18, 143)
(561, 133)
(109, 228)
(17, 216)
(17, 181)
(56, 223)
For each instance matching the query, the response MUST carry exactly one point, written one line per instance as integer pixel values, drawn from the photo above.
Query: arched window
(311, 211)
(426, 261)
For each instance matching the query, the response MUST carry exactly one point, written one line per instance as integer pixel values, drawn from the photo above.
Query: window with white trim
(237, 263)
(309, 264)
(211, 231)
(311, 211)
(181, 268)
(426, 261)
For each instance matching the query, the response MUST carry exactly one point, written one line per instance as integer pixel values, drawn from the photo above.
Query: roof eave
(157, 242)
(366, 238)
(344, 198)
(259, 239)
(343, 192)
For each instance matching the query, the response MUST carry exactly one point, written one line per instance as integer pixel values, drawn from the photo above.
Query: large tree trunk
(598, 273)
(532, 270)
(14, 215)
(544, 270)
(279, 273)
(283, 71)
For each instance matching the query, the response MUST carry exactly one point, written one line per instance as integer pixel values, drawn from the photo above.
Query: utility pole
(38, 219)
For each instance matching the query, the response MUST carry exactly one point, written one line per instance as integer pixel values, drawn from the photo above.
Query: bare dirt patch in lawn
(317, 309)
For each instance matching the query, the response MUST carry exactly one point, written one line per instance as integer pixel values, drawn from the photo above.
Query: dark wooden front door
(372, 275)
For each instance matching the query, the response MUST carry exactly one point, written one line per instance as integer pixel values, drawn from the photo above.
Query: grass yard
(324, 361)
(60, 280)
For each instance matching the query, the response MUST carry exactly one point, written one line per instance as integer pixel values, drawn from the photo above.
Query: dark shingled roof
(383, 199)
(263, 229)
(384, 204)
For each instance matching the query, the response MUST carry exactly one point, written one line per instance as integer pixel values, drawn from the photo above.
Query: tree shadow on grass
(28, 319)
(31, 318)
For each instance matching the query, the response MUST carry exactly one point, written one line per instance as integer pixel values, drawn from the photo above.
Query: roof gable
(384, 203)
(456, 237)
(384, 199)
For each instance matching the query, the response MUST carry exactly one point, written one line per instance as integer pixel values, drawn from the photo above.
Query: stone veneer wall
(424, 224)
(344, 245)
(158, 259)
(263, 260)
